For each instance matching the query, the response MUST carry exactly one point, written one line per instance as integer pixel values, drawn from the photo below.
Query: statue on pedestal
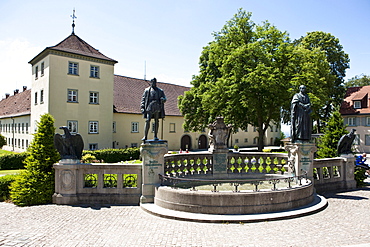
(219, 134)
(301, 128)
(69, 145)
(152, 106)
(345, 142)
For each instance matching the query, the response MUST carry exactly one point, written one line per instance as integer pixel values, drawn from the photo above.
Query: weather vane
(73, 23)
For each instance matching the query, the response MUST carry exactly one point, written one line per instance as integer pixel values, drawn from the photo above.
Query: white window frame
(93, 127)
(42, 69)
(41, 96)
(35, 98)
(114, 127)
(93, 146)
(94, 71)
(36, 72)
(351, 121)
(72, 126)
(72, 96)
(93, 98)
(172, 128)
(134, 127)
(357, 104)
(72, 68)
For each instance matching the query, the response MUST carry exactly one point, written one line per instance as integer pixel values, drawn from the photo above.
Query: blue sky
(167, 35)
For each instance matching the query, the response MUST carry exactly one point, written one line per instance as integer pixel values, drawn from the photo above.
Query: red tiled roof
(128, 92)
(76, 45)
(16, 105)
(356, 93)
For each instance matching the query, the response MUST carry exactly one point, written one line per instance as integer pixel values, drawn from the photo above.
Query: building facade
(75, 83)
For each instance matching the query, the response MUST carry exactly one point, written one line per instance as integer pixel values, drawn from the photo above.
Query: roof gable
(356, 94)
(129, 91)
(76, 45)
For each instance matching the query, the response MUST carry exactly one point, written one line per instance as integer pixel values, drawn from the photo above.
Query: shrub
(36, 184)
(2, 141)
(12, 161)
(5, 182)
(360, 176)
(114, 155)
(88, 158)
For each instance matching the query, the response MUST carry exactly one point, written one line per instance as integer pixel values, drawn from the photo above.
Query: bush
(2, 141)
(36, 184)
(5, 182)
(114, 155)
(12, 161)
(360, 176)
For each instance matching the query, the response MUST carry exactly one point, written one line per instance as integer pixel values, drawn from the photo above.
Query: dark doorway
(186, 142)
(202, 142)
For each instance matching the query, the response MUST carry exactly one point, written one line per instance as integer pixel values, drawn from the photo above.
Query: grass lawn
(2, 152)
(7, 172)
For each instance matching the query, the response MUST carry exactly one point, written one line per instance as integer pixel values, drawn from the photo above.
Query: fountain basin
(251, 202)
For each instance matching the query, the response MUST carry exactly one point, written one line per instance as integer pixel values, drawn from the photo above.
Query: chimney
(16, 91)
(7, 95)
(24, 88)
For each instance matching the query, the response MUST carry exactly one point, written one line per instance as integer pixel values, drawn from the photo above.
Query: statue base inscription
(300, 158)
(152, 153)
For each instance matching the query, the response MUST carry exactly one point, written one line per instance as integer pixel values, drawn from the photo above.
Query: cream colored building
(76, 84)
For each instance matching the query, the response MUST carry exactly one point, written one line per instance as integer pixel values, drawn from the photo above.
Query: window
(36, 98)
(367, 140)
(255, 140)
(271, 128)
(246, 140)
(73, 68)
(114, 126)
(134, 127)
(351, 121)
(254, 129)
(94, 98)
(357, 104)
(72, 95)
(93, 146)
(26, 128)
(93, 127)
(172, 128)
(134, 145)
(276, 128)
(36, 72)
(22, 128)
(41, 96)
(42, 68)
(236, 141)
(94, 71)
(367, 121)
(19, 127)
(72, 126)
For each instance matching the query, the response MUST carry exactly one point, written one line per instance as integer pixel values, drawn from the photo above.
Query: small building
(355, 110)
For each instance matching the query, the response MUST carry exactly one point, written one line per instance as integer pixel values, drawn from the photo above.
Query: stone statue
(301, 128)
(345, 142)
(219, 134)
(69, 146)
(152, 106)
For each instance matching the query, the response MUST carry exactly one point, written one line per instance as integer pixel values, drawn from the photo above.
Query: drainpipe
(12, 132)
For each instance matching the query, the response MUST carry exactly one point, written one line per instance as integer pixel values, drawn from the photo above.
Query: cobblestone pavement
(345, 222)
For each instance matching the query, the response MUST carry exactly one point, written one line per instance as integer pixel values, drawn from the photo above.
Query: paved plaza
(344, 222)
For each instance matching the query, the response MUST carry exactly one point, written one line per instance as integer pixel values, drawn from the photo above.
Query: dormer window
(357, 104)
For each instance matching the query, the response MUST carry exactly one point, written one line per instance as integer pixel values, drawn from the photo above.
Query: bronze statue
(152, 106)
(69, 146)
(345, 142)
(219, 134)
(301, 128)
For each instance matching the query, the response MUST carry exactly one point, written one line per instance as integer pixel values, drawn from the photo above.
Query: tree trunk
(261, 143)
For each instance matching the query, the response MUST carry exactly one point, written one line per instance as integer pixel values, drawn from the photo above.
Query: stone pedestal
(220, 163)
(152, 153)
(65, 183)
(300, 158)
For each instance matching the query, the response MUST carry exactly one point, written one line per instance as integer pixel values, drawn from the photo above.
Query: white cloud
(15, 54)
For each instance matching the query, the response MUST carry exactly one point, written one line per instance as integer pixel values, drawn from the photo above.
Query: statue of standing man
(152, 106)
(301, 128)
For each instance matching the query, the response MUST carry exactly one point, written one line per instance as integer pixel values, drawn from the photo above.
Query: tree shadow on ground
(344, 196)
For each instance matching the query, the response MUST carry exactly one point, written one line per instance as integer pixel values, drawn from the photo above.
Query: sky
(164, 38)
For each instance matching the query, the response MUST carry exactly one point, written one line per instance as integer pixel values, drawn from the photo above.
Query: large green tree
(338, 60)
(358, 81)
(248, 75)
(36, 184)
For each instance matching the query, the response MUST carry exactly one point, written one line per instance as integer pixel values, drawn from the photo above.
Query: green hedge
(12, 161)
(5, 182)
(115, 155)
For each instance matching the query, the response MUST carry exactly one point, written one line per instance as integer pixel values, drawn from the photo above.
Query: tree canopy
(249, 73)
(358, 81)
